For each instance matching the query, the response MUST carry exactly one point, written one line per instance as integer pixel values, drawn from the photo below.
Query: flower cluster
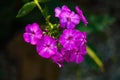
(71, 44)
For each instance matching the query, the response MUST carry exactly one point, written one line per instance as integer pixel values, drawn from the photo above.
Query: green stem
(47, 19)
(92, 54)
(38, 5)
(49, 23)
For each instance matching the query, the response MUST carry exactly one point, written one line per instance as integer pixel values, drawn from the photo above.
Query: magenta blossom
(70, 39)
(46, 47)
(58, 59)
(32, 33)
(82, 17)
(58, 10)
(79, 54)
(67, 54)
(68, 19)
(74, 55)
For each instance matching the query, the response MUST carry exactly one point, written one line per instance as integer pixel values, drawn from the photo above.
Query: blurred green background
(19, 60)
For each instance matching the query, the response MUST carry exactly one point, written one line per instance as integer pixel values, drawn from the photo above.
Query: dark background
(19, 60)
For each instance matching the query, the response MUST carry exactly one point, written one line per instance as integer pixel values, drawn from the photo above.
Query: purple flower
(58, 59)
(78, 58)
(32, 33)
(58, 10)
(79, 54)
(74, 55)
(68, 19)
(70, 39)
(67, 55)
(82, 17)
(46, 47)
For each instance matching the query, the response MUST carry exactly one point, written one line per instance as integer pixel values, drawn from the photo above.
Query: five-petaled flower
(46, 47)
(71, 39)
(68, 19)
(32, 34)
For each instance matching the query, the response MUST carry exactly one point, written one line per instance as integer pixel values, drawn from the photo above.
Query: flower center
(47, 45)
(33, 32)
(68, 19)
(70, 38)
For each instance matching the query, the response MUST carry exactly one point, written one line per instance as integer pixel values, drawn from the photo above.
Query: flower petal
(57, 11)
(82, 17)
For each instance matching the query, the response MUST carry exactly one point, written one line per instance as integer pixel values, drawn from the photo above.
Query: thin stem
(49, 23)
(47, 18)
(92, 54)
(38, 5)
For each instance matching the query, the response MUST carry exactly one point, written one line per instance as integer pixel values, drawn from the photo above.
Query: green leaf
(43, 1)
(26, 9)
